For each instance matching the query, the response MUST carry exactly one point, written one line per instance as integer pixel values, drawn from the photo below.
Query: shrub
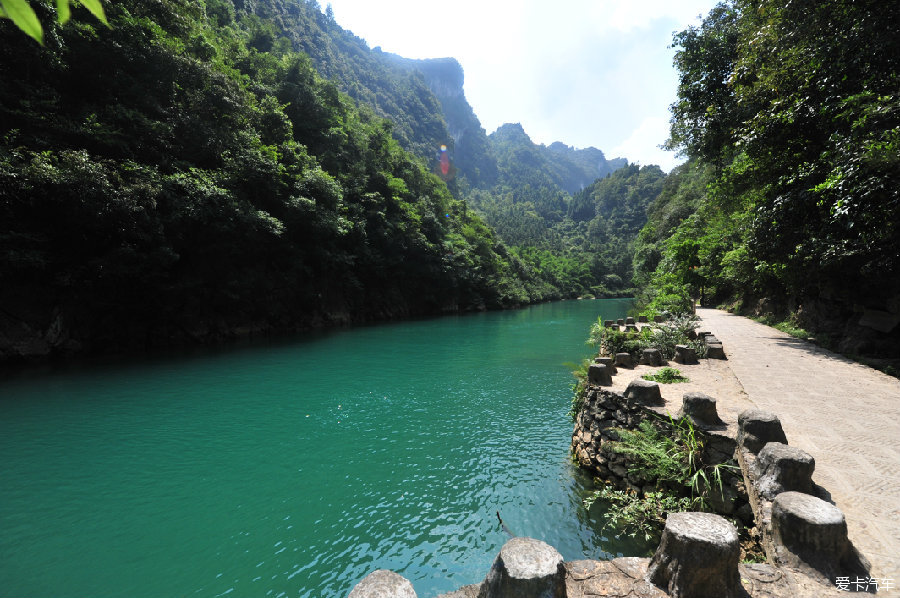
(639, 516)
(612, 341)
(674, 331)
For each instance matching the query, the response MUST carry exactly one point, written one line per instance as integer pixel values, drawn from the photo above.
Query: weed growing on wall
(670, 456)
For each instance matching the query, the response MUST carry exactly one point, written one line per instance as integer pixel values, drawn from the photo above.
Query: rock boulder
(383, 584)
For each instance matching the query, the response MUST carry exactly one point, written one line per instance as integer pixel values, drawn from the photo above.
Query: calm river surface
(296, 468)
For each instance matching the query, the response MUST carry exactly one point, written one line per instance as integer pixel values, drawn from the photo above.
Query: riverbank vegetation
(199, 171)
(675, 329)
(789, 203)
(668, 456)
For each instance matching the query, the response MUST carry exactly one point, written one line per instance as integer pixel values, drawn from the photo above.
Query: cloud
(584, 72)
(628, 16)
(642, 146)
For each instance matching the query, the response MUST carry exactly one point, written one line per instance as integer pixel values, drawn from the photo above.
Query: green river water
(295, 468)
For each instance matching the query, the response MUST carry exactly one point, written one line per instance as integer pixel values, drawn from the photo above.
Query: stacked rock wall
(604, 412)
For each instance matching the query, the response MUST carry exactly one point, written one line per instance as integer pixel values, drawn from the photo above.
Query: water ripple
(296, 469)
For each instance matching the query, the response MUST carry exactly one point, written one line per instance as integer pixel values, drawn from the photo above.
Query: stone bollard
(685, 355)
(643, 391)
(525, 567)
(624, 360)
(700, 408)
(756, 428)
(697, 557)
(610, 364)
(609, 323)
(383, 584)
(629, 321)
(642, 320)
(651, 357)
(659, 319)
(807, 530)
(780, 468)
(620, 322)
(715, 351)
(598, 375)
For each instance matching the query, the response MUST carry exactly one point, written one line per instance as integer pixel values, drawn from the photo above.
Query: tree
(706, 113)
(24, 17)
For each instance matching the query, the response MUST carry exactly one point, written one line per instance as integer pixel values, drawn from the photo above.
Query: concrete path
(846, 415)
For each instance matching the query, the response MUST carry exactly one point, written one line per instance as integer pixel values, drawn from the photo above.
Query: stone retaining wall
(606, 411)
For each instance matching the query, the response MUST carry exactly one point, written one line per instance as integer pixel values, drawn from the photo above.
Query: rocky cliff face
(469, 147)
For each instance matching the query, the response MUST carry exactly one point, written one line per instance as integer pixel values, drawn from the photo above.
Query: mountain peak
(510, 132)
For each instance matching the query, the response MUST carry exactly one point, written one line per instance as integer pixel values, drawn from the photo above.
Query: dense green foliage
(790, 115)
(582, 243)
(187, 173)
(639, 516)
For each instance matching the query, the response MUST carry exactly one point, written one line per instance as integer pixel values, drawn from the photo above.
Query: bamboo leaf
(24, 17)
(63, 11)
(96, 9)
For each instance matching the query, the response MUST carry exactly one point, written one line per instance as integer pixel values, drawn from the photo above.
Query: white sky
(585, 72)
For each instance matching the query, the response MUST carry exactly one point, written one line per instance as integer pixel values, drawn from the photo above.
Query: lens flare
(445, 161)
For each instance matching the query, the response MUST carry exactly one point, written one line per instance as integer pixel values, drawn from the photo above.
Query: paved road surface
(846, 415)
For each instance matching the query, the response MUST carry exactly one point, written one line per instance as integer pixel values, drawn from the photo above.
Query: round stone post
(780, 468)
(715, 351)
(697, 557)
(685, 355)
(525, 567)
(651, 357)
(609, 362)
(645, 392)
(623, 360)
(813, 531)
(756, 428)
(598, 375)
(701, 408)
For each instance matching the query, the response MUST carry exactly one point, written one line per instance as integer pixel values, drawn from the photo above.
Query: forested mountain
(790, 203)
(187, 175)
(522, 161)
(198, 171)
